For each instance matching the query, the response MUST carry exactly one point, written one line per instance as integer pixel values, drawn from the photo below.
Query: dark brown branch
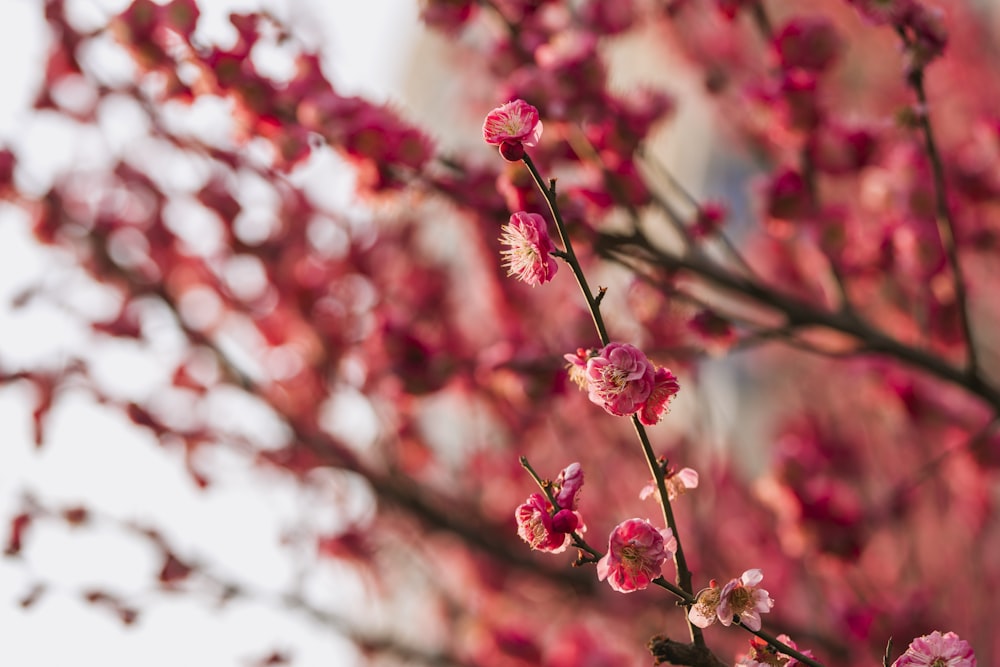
(666, 650)
(620, 249)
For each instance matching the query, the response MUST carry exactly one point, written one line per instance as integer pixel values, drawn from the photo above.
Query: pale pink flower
(636, 554)
(567, 486)
(742, 598)
(528, 256)
(512, 126)
(704, 611)
(937, 650)
(664, 387)
(534, 525)
(620, 379)
(678, 482)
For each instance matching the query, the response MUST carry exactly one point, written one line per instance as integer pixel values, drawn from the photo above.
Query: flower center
(740, 600)
(708, 601)
(616, 380)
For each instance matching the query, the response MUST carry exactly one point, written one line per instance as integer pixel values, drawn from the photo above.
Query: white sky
(95, 457)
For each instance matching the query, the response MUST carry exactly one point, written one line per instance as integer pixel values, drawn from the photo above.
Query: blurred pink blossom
(762, 654)
(636, 553)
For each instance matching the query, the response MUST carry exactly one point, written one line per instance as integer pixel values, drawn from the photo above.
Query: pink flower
(528, 256)
(512, 126)
(763, 654)
(568, 485)
(534, 525)
(665, 385)
(620, 379)
(742, 598)
(705, 609)
(636, 553)
(677, 482)
(937, 650)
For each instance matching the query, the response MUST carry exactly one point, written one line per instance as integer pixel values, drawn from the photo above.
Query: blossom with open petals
(636, 554)
(665, 385)
(528, 256)
(742, 598)
(937, 650)
(512, 126)
(534, 525)
(704, 611)
(620, 379)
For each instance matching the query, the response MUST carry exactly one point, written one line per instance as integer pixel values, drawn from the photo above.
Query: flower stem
(943, 217)
(593, 303)
(680, 562)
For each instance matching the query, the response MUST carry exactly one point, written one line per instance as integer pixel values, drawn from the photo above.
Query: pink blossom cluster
(623, 381)
(740, 599)
(549, 528)
(677, 482)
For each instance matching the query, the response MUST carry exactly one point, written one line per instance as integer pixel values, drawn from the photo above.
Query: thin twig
(943, 217)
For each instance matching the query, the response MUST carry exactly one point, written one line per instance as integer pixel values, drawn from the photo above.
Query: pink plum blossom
(665, 386)
(620, 379)
(678, 482)
(738, 598)
(741, 597)
(528, 255)
(534, 525)
(568, 486)
(636, 554)
(937, 650)
(763, 654)
(512, 126)
(705, 609)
